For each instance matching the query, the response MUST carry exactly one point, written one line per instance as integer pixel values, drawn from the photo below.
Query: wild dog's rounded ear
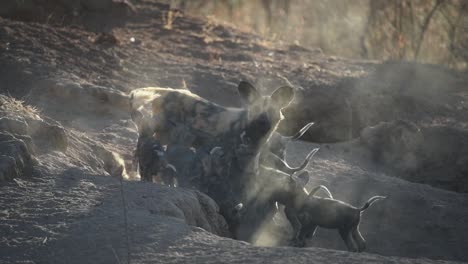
(283, 96)
(170, 168)
(303, 178)
(248, 93)
(239, 206)
(217, 151)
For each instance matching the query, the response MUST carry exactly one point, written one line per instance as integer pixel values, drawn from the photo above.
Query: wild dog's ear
(239, 207)
(217, 151)
(282, 96)
(248, 93)
(303, 178)
(207, 159)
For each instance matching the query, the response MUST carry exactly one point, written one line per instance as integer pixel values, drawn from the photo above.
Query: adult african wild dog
(179, 117)
(205, 121)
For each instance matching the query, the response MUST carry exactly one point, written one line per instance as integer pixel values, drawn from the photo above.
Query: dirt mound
(82, 218)
(15, 159)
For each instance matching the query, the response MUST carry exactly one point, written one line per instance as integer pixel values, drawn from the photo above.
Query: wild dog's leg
(295, 223)
(135, 160)
(169, 175)
(310, 232)
(360, 241)
(306, 232)
(146, 175)
(345, 234)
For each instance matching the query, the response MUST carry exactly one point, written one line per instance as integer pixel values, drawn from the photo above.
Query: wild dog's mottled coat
(259, 117)
(150, 155)
(334, 214)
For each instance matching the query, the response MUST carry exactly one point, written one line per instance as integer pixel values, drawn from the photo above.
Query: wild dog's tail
(371, 201)
(323, 187)
(301, 132)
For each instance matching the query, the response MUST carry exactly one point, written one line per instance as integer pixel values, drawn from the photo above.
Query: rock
(48, 135)
(112, 162)
(27, 140)
(14, 125)
(341, 107)
(193, 207)
(435, 155)
(79, 99)
(15, 158)
(328, 106)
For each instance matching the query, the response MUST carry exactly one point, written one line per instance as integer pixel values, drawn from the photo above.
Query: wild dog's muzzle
(258, 128)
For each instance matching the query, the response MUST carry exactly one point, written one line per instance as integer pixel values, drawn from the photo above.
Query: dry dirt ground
(73, 74)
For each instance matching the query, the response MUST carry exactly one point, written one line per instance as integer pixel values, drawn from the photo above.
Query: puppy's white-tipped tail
(371, 201)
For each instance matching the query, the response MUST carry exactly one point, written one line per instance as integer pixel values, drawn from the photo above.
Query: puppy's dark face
(263, 112)
(297, 184)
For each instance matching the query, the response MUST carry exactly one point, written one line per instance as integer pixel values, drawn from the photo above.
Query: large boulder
(192, 207)
(342, 107)
(14, 125)
(48, 135)
(15, 158)
(435, 155)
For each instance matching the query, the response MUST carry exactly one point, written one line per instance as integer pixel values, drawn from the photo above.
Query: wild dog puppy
(150, 156)
(293, 196)
(258, 118)
(306, 212)
(263, 193)
(334, 214)
(217, 183)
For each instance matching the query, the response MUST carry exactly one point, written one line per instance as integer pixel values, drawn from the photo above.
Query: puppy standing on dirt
(293, 196)
(306, 212)
(334, 214)
(151, 156)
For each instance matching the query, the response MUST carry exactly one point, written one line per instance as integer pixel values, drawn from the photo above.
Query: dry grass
(17, 107)
(169, 18)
